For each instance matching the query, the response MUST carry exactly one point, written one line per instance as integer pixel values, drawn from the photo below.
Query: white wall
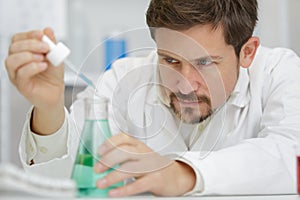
(91, 21)
(294, 21)
(279, 23)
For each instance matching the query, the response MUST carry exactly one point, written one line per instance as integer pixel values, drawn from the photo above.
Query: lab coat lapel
(207, 140)
(162, 133)
(151, 122)
(226, 120)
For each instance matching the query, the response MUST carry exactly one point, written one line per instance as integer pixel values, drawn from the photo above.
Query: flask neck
(96, 109)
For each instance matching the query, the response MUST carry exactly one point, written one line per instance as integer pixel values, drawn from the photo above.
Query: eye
(171, 60)
(205, 62)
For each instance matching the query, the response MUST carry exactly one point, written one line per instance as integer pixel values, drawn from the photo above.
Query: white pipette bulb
(58, 52)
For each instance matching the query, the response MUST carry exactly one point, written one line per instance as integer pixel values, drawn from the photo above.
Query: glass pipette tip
(80, 74)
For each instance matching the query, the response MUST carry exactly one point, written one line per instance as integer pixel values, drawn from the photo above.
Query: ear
(248, 52)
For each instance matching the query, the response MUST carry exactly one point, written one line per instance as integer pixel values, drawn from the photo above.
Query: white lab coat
(248, 147)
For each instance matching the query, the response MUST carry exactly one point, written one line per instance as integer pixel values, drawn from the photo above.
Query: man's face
(198, 70)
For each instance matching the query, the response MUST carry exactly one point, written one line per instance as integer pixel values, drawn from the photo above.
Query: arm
(36, 78)
(48, 155)
(40, 152)
(41, 84)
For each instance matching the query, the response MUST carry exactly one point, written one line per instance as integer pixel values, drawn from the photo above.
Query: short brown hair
(236, 17)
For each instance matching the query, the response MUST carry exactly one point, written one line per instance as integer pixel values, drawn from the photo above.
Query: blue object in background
(115, 48)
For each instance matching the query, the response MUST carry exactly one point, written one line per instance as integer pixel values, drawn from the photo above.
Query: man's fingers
(141, 185)
(25, 73)
(14, 61)
(50, 33)
(36, 34)
(118, 155)
(115, 141)
(113, 178)
(31, 45)
(18, 60)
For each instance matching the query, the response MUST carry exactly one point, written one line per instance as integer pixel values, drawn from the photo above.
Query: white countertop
(15, 196)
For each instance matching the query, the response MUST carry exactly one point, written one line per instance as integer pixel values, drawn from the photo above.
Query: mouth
(189, 100)
(184, 102)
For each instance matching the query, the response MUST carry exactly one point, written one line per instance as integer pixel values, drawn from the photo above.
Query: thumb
(50, 33)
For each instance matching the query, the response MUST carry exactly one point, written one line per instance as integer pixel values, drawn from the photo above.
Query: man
(211, 112)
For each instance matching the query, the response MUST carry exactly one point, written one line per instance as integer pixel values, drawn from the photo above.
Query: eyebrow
(215, 58)
(162, 54)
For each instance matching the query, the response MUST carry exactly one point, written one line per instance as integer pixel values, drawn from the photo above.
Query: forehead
(198, 41)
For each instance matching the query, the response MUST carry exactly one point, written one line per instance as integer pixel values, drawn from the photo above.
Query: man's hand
(31, 73)
(37, 80)
(153, 172)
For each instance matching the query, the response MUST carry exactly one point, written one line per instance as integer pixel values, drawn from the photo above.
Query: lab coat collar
(240, 96)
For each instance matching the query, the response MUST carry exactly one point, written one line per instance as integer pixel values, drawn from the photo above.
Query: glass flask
(95, 131)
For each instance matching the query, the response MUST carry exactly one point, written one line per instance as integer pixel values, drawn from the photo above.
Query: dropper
(58, 54)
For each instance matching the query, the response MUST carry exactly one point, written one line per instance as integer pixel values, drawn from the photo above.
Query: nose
(190, 79)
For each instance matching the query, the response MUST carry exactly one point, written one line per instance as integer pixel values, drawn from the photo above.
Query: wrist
(186, 177)
(46, 121)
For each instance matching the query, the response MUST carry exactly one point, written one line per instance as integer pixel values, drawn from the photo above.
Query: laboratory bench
(9, 196)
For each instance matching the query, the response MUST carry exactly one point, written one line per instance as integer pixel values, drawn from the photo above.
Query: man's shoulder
(274, 56)
(269, 59)
(272, 67)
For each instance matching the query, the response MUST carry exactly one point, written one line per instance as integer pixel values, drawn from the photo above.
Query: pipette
(80, 74)
(58, 54)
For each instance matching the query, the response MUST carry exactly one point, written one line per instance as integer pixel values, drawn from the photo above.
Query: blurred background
(86, 26)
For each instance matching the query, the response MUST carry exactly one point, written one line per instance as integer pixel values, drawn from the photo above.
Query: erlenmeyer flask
(95, 132)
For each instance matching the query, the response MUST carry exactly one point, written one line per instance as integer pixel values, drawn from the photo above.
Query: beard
(199, 111)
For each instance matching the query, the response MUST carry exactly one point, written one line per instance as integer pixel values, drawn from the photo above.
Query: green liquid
(94, 133)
